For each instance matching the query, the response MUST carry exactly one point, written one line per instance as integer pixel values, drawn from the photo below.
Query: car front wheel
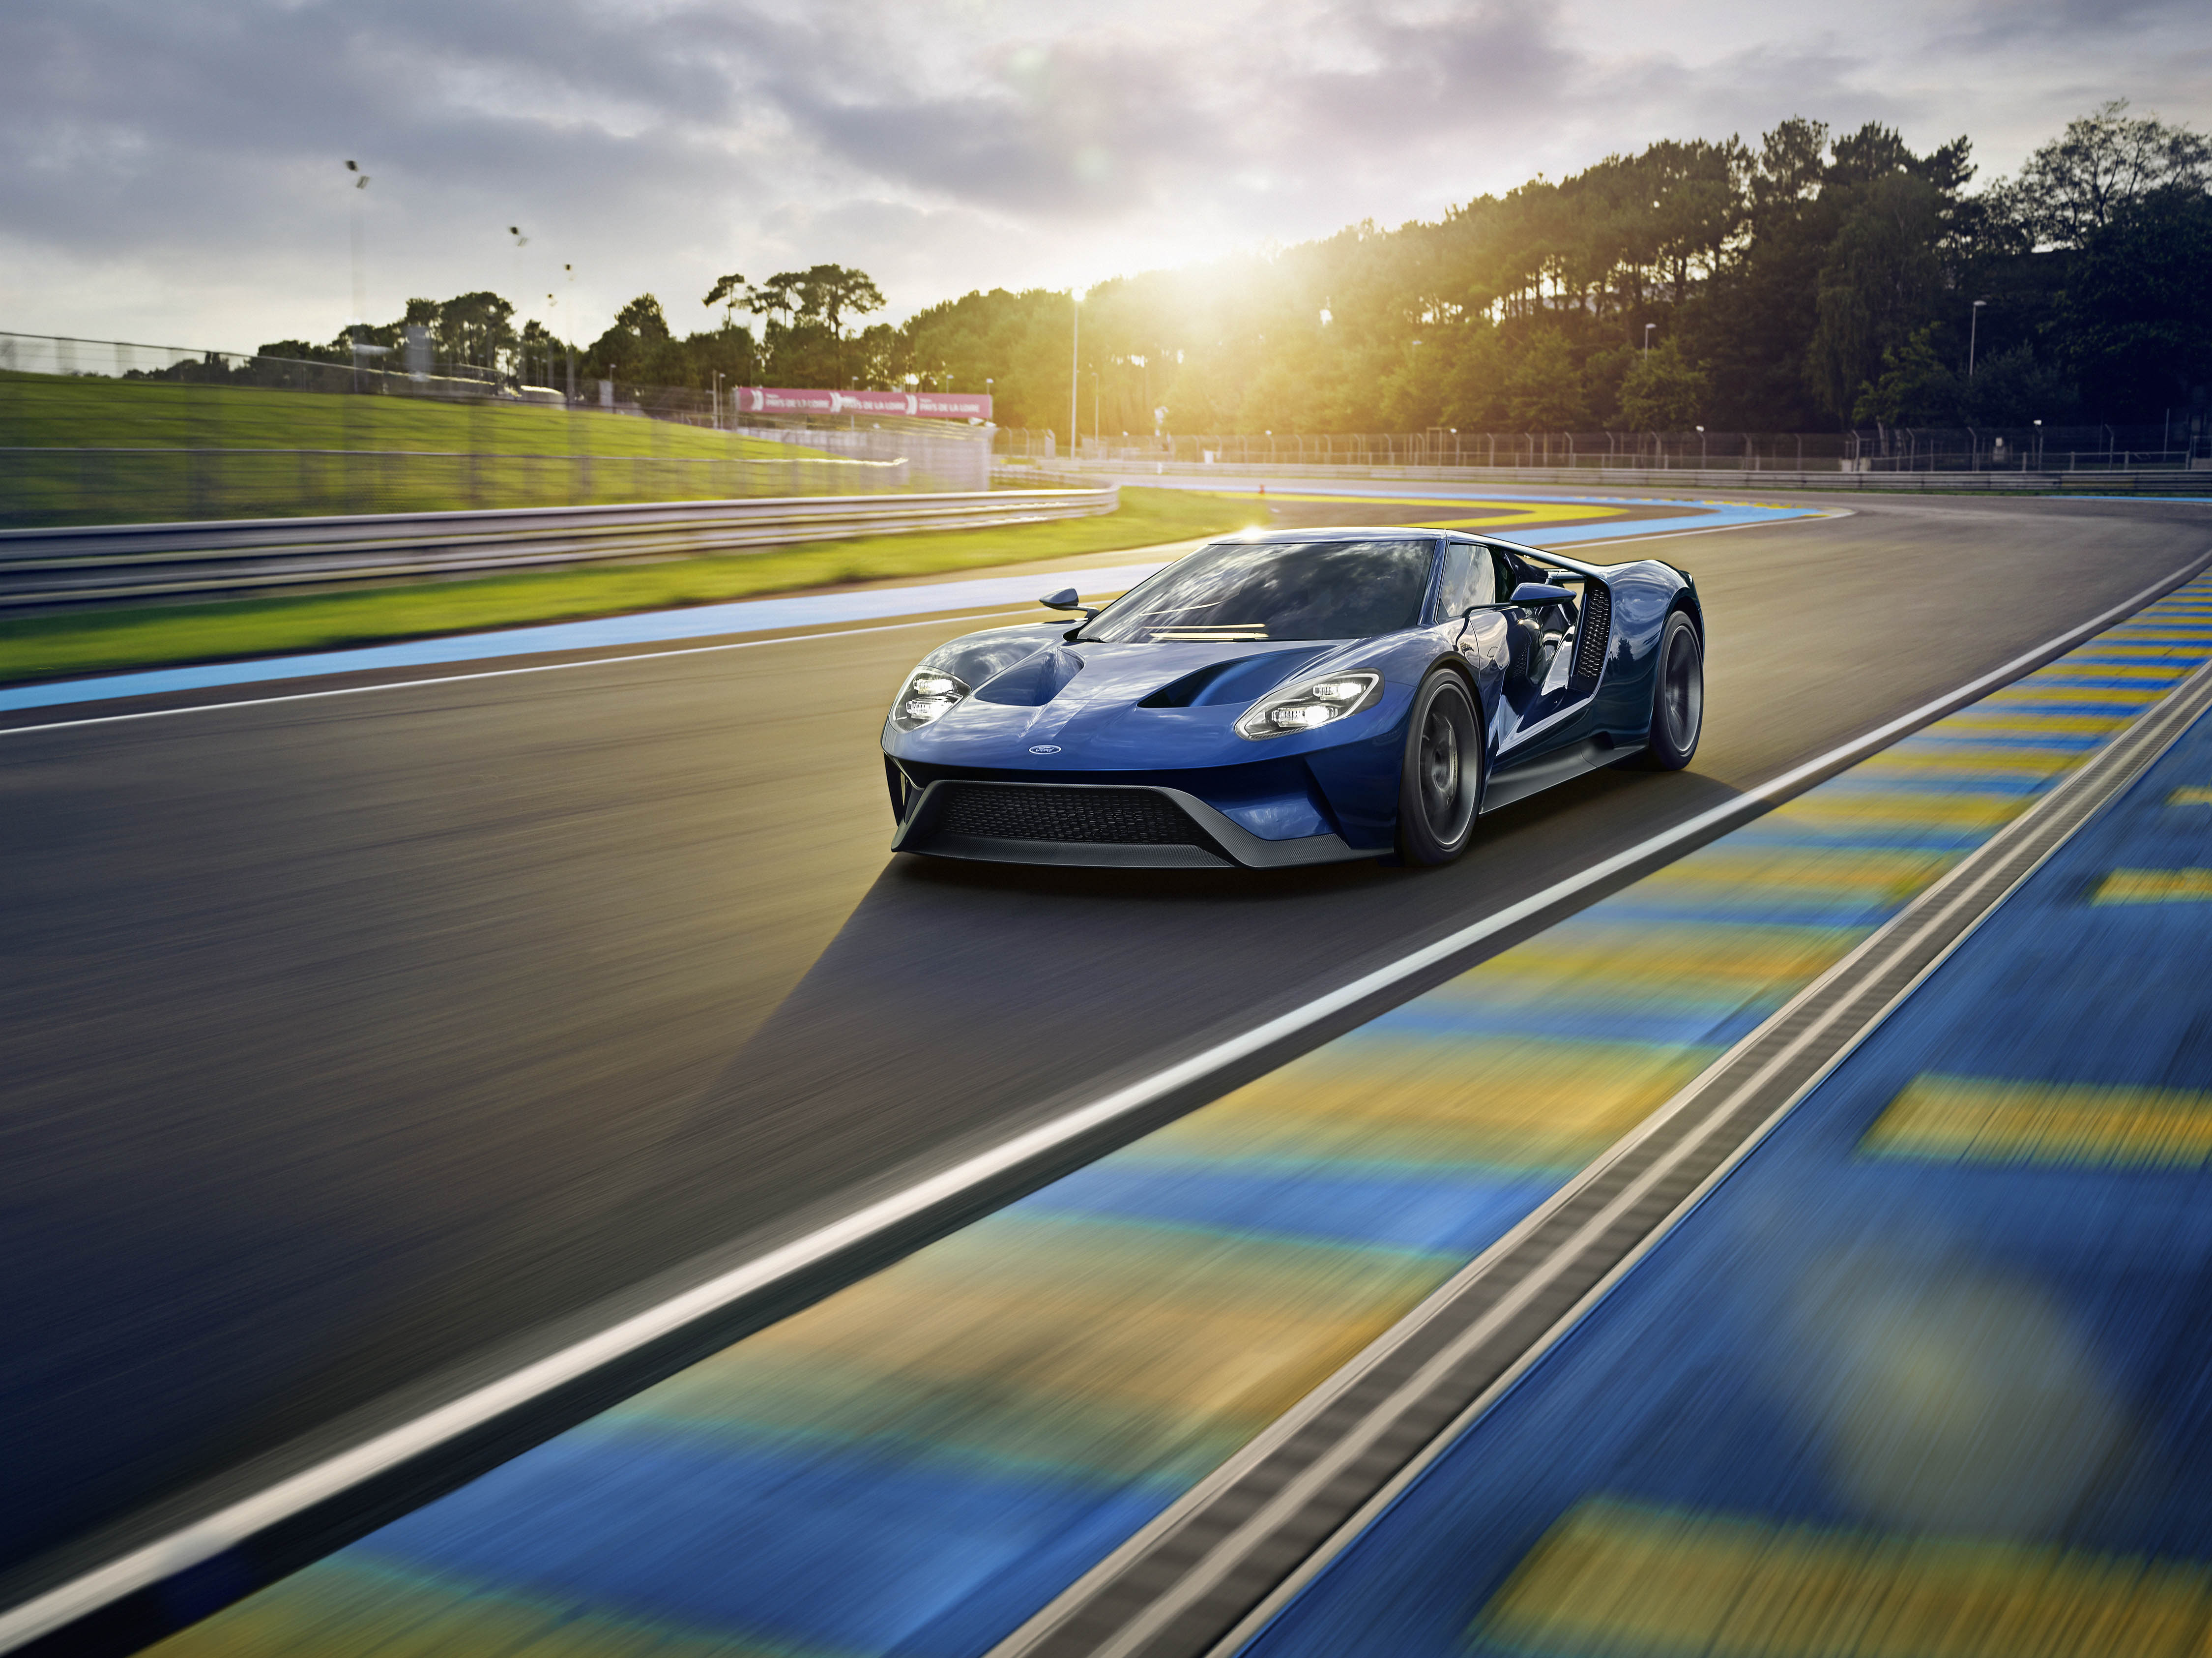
(1440, 783)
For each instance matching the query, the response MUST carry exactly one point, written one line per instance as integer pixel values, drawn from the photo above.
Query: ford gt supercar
(1295, 696)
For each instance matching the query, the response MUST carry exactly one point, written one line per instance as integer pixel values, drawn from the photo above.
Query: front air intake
(1597, 629)
(1111, 817)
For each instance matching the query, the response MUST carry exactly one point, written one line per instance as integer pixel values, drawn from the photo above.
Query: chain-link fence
(371, 371)
(2177, 445)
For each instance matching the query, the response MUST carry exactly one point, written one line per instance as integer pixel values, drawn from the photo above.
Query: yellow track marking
(1611, 1578)
(1972, 1120)
(343, 1608)
(1500, 512)
(2154, 887)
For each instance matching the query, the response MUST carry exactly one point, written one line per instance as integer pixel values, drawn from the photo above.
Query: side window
(1487, 590)
(1458, 580)
(1497, 576)
(1469, 579)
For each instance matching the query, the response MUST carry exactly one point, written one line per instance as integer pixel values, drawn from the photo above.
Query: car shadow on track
(959, 999)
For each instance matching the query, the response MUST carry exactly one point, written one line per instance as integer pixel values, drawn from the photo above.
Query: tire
(1678, 696)
(1440, 778)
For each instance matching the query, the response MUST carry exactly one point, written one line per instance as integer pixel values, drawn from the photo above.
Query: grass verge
(163, 635)
(94, 451)
(68, 412)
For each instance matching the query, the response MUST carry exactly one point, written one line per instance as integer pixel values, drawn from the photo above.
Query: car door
(1541, 699)
(1467, 602)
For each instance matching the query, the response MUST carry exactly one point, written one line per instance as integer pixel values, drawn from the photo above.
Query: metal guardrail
(141, 561)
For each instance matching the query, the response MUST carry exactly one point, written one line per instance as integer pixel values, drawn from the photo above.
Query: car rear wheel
(1678, 696)
(1440, 783)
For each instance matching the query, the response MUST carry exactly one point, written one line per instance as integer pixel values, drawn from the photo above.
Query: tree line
(1811, 280)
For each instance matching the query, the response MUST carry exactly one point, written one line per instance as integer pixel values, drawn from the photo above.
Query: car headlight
(1315, 703)
(930, 693)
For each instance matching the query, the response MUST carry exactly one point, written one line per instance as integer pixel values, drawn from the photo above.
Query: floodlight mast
(360, 277)
(360, 280)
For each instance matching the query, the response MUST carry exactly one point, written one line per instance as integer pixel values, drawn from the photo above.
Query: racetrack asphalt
(349, 1038)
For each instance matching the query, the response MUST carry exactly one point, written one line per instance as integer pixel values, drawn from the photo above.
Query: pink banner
(941, 406)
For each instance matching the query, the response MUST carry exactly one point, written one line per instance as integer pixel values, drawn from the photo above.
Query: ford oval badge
(1044, 748)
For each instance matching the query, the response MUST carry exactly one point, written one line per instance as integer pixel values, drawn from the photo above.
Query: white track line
(496, 673)
(701, 651)
(226, 1528)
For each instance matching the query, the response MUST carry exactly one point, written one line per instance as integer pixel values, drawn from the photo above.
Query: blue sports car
(1295, 696)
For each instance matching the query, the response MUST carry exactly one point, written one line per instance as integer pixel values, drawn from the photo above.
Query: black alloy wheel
(1440, 783)
(1678, 696)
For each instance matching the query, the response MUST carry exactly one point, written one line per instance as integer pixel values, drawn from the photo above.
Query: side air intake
(1596, 631)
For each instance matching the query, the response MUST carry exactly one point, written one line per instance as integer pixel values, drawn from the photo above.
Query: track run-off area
(384, 1031)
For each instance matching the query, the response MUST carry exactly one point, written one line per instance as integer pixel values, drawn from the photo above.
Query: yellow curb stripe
(1981, 1120)
(1613, 1579)
(2154, 887)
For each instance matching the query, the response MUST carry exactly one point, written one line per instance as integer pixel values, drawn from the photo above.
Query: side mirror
(1540, 592)
(1069, 598)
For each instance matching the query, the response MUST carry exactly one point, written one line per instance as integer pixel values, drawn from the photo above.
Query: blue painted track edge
(1401, 1484)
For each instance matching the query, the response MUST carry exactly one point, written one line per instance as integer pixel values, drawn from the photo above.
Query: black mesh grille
(1597, 629)
(1118, 817)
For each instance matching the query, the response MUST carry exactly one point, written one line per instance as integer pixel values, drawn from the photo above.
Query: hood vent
(1238, 680)
(1033, 683)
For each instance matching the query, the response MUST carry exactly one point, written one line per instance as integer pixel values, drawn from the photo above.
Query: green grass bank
(76, 450)
(44, 647)
(86, 411)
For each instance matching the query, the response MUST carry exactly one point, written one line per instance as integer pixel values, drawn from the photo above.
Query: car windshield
(1240, 590)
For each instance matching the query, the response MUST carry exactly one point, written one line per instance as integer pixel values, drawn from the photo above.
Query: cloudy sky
(172, 171)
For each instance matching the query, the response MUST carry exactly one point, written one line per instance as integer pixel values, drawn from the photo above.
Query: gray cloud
(170, 168)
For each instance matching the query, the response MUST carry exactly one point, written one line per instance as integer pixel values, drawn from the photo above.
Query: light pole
(1974, 328)
(522, 242)
(1701, 448)
(1647, 327)
(569, 326)
(360, 281)
(1074, 361)
(717, 400)
(360, 277)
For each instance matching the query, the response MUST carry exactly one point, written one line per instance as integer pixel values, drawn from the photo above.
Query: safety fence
(2178, 445)
(373, 371)
(2171, 482)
